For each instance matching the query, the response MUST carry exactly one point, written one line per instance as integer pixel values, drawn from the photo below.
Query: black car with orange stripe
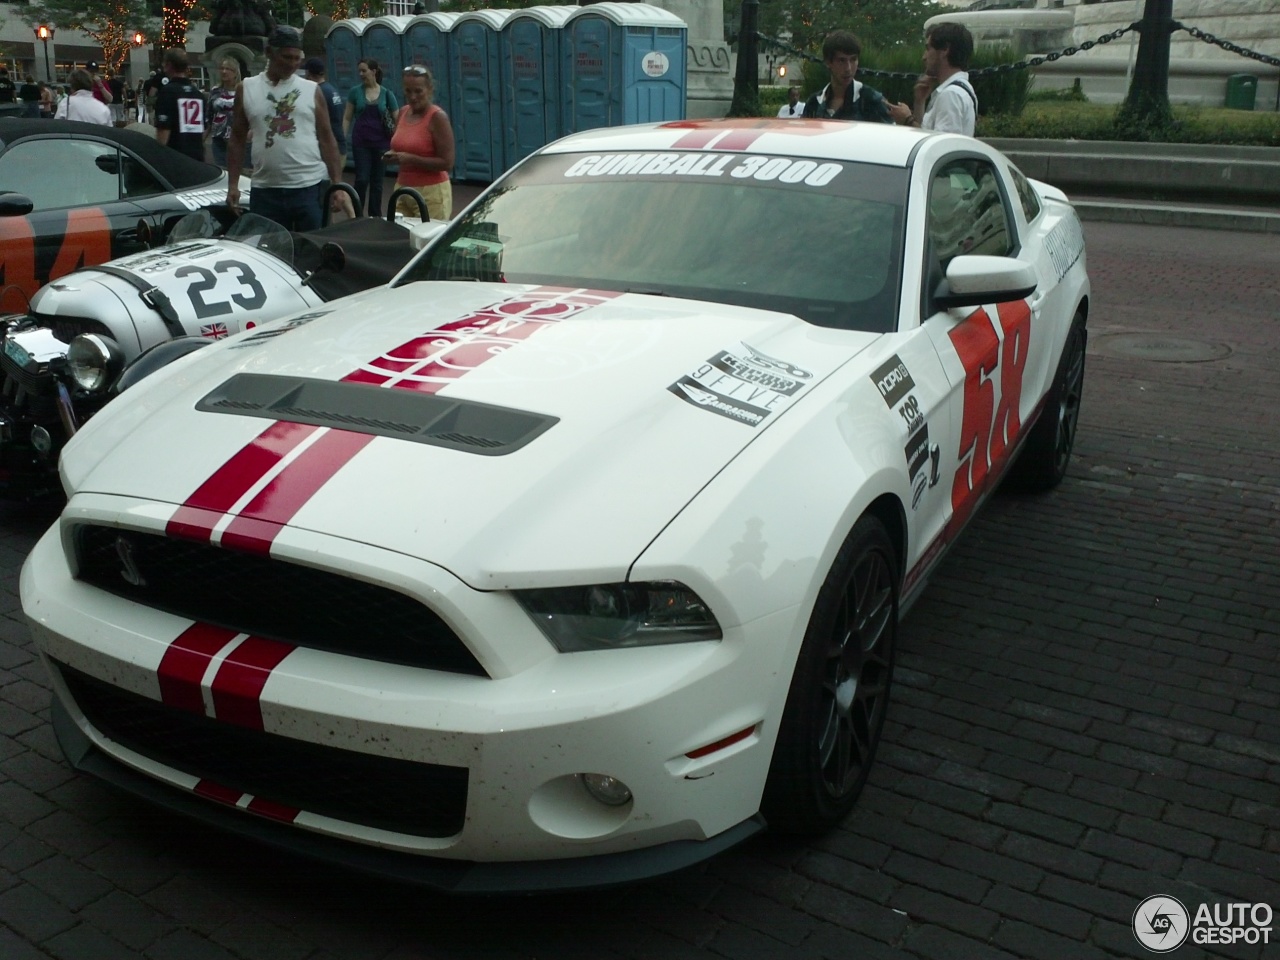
(73, 194)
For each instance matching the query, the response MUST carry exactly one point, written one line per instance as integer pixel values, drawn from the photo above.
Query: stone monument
(238, 29)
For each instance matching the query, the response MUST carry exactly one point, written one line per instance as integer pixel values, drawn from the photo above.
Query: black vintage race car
(73, 194)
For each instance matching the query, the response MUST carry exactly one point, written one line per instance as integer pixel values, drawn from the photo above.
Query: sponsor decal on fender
(893, 380)
(743, 385)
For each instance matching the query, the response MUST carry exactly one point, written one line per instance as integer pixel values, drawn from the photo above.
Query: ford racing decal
(920, 454)
(744, 385)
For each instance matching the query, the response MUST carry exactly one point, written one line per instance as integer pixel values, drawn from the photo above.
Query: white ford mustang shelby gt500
(576, 554)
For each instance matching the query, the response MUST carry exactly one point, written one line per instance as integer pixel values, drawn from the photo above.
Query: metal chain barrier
(1228, 45)
(791, 51)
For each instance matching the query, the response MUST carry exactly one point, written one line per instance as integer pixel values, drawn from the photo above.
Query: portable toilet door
(531, 80)
(342, 51)
(475, 68)
(623, 63)
(426, 41)
(382, 42)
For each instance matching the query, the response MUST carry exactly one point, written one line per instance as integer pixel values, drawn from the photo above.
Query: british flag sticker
(214, 331)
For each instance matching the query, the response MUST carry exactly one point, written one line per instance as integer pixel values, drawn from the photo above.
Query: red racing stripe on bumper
(238, 684)
(184, 663)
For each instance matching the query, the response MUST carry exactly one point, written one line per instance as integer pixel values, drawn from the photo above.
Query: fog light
(41, 440)
(608, 790)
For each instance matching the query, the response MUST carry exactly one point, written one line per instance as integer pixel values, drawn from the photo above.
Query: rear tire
(1047, 453)
(839, 692)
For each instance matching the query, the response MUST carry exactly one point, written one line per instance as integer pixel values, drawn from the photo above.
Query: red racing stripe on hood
(427, 363)
(260, 521)
(201, 511)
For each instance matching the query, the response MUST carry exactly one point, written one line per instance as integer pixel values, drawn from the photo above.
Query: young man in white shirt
(944, 98)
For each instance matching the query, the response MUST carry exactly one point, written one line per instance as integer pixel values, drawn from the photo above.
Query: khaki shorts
(439, 198)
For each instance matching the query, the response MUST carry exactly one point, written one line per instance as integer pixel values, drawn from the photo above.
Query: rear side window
(1026, 194)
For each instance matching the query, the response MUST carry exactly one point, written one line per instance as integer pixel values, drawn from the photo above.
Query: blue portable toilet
(426, 41)
(342, 51)
(530, 45)
(475, 69)
(382, 42)
(622, 63)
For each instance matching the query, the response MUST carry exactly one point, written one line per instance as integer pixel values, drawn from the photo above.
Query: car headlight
(610, 615)
(94, 361)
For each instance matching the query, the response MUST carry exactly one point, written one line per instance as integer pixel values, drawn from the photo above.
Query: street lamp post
(44, 32)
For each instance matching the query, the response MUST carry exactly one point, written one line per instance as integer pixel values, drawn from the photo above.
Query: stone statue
(241, 18)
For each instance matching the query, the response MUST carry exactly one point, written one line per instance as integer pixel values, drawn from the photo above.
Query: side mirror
(975, 279)
(15, 205)
(108, 163)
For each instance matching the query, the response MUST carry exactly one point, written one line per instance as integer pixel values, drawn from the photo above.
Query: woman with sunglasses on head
(423, 147)
(367, 104)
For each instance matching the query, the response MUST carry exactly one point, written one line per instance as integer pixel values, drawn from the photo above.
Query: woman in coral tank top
(422, 146)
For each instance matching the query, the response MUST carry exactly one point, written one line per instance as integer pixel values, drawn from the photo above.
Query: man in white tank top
(293, 143)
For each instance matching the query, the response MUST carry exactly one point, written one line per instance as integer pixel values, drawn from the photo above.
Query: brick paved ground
(1087, 713)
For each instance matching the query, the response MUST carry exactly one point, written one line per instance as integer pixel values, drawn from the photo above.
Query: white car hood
(650, 398)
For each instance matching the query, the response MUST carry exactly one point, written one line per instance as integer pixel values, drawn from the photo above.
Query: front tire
(1047, 454)
(839, 692)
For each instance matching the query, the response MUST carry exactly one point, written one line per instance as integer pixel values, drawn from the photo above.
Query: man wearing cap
(293, 144)
(315, 73)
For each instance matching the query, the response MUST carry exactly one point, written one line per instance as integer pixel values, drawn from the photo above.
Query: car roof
(879, 143)
(176, 169)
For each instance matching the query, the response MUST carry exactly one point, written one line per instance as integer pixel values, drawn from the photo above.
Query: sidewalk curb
(1169, 215)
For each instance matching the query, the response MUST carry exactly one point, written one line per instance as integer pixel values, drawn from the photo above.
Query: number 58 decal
(989, 429)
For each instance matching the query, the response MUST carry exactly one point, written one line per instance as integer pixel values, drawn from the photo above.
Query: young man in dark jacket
(845, 98)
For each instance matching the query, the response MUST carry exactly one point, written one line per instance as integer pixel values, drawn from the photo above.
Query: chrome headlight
(610, 615)
(94, 361)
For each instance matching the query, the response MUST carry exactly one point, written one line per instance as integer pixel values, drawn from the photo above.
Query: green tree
(882, 24)
(109, 22)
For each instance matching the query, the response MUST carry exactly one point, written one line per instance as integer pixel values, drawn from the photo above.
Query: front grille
(269, 598)
(419, 799)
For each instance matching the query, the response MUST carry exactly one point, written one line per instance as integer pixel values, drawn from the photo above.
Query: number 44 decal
(989, 428)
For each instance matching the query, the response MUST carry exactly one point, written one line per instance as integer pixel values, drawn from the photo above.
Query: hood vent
(361, 408)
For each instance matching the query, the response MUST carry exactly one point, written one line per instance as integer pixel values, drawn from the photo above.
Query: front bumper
(522, 734)
(454, 876)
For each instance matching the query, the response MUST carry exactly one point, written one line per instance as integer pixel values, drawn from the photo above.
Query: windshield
(818, 239)
(249, 229)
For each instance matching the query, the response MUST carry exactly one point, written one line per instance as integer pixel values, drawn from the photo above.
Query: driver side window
(967, 212)
(59, 173)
